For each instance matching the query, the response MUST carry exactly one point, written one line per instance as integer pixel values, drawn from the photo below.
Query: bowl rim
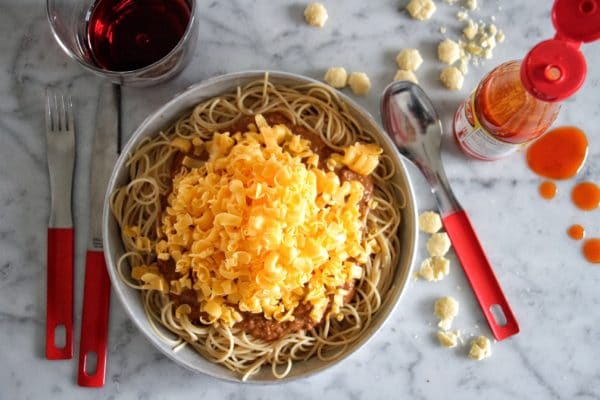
(248, 76)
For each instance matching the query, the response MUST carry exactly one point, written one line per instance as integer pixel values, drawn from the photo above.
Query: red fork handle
(480, 274)
(94, 321)
(59, 292)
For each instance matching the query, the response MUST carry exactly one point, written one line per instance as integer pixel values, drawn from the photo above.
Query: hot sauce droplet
(547, 190)
(591, 250)
(576, 232)
(586, 196)
(559, 154)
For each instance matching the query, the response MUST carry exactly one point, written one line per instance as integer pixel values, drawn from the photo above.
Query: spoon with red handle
(413, 124)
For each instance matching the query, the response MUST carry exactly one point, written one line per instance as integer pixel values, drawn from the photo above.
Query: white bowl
(171, 111)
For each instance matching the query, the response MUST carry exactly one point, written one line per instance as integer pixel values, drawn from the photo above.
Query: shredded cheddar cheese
(260, 228)
(360, 158)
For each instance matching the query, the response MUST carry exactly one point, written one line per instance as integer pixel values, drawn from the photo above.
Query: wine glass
(71, 23)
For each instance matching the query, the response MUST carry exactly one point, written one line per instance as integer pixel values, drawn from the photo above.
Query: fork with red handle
(60, 139)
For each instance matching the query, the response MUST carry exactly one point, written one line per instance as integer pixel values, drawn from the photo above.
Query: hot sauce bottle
(519, 100)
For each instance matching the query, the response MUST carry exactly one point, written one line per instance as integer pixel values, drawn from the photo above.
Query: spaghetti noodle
(215, 297)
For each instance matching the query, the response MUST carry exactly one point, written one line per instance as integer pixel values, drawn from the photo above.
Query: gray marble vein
(553, 291)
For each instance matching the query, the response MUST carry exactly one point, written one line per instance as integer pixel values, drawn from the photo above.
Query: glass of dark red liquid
(130, 42)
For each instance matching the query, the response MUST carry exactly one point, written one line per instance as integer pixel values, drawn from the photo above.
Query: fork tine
(63, 113)
(54, 113)
(59, 112)
(48, 112)
(70, 118)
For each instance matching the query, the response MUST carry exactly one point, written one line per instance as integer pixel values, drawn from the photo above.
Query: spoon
(412, 123)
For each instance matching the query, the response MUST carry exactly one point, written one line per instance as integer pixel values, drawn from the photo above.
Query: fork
(60, 142)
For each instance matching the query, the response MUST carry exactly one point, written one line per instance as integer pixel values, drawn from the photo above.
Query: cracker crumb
(481, 39)
(480, 348)
(448, 339)
(448, 51)
(471, 4)
(452, 78)
(430, 222)
(470, 30)
(315, 15)
(359, 83)
(439, 243)
(336, 77)
(426, 271)
(463, 65)
(409, 59)
(434, 269)
(404, 75)
(445, 308)
(500, 37)
(421, 9)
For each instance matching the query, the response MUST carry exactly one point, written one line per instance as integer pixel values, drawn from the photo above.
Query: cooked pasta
(261, 227)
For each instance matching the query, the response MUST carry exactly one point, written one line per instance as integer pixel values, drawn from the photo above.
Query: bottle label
(474, 139)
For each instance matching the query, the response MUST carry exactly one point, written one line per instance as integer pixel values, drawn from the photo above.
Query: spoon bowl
(413, 124)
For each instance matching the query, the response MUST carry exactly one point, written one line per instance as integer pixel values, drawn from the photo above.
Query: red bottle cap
(555, 69)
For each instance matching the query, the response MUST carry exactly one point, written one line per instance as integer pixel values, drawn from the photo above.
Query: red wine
(124, 35)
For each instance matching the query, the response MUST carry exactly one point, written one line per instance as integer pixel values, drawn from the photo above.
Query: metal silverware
(60, 139)
(413, 124)
(96, 299)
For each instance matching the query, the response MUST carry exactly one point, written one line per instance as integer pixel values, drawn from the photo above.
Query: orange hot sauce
(586, 196)
(501, 115)
(576, 232)
(591, 250)
(559, 154)
(547, 190)
(510, 112)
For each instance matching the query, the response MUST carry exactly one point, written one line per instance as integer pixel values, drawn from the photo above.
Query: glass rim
(131, 72)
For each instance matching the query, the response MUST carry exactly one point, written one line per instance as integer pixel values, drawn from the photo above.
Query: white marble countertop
(553, 290)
